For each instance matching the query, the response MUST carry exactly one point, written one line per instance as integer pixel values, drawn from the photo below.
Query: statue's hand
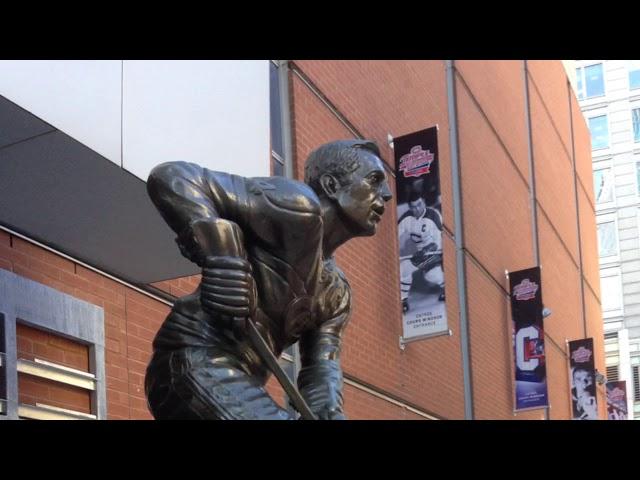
(228, 287)
(331, 415)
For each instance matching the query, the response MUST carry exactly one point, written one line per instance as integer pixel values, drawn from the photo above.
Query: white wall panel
(80, 98)
(214, 113)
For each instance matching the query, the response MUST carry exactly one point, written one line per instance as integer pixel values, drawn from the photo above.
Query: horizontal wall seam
(564, 245)
(79, 262)
(491, 127)
(53, 130)
(388, 397)
(335, 111)
(553, 124)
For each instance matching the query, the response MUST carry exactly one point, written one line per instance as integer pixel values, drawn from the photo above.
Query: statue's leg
(198, 383)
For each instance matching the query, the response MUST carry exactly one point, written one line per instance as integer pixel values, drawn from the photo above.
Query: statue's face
(361, 203)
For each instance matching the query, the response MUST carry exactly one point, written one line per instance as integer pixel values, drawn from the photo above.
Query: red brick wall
(131, 319)
(179, 287)
(379, 97)
(361, 405)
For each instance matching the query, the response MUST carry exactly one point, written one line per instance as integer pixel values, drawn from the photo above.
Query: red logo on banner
(525, 290)
(417, 162)
(581, 355)
(616, 395)
(533, 347)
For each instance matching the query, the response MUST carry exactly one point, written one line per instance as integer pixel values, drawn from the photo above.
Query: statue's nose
(386, 193)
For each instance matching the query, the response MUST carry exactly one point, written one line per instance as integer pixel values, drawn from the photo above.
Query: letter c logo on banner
(522, 337)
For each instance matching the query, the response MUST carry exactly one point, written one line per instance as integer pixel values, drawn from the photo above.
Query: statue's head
(351, 174)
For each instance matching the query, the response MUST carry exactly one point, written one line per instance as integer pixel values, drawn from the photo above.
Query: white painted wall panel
(79, 97)
(214, 113)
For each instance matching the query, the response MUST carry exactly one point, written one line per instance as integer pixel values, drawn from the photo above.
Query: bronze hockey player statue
(265, 246)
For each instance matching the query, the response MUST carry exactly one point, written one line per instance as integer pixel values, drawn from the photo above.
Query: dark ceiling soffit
(66, 196)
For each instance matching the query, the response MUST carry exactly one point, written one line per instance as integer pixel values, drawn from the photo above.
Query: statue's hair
(339, 158)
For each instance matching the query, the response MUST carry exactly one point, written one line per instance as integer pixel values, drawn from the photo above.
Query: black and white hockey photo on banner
(422, 286)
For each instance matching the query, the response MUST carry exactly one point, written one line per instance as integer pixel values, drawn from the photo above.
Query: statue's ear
(329, 185)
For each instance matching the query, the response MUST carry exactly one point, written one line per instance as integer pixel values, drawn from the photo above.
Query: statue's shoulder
(285, 193)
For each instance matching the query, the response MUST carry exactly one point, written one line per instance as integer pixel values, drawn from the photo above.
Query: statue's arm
(205, 209)
(320, 379)
(187, 195)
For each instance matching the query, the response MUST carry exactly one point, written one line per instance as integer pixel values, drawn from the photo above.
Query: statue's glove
(228, 287)
(426, 258)
(330, 414)
(324, 413)
(320, 384)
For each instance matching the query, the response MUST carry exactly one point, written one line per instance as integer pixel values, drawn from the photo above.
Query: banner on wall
(528, 337)
(582, 376)
(617, 400)
(422, 285)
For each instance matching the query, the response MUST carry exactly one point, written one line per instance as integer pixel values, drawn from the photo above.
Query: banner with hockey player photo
(528, 337)
(617, 400)
(582, 376)
(420, 235)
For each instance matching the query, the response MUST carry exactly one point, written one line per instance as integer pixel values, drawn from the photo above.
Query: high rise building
(609, 96)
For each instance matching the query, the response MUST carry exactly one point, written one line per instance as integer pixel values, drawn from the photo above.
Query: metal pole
(532, 180)
(461, 275)
(287, 144)
(285, 116)
(575, 190)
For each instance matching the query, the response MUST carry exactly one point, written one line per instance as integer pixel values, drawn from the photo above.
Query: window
(635, 118)
(607, 239)
(603, 185)
(613, 373)
(599, 132)
(3, 377)
(580, 83)
(277, 143)
(612, 356)
(611, 292)
(54, 350)
(590, 81)
(54, 376)
(634, 74)
(636, 383)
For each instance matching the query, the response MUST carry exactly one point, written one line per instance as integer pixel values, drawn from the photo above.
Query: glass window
(635, 118)
(607, 239)
(613, 373)
(603, 185)
(634, 74)
(634, 79)
(611, 292)
(599, 132)
(579, 80)
(594, 80)
(590, 81)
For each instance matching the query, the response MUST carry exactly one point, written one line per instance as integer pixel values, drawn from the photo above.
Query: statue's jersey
(282, 227)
